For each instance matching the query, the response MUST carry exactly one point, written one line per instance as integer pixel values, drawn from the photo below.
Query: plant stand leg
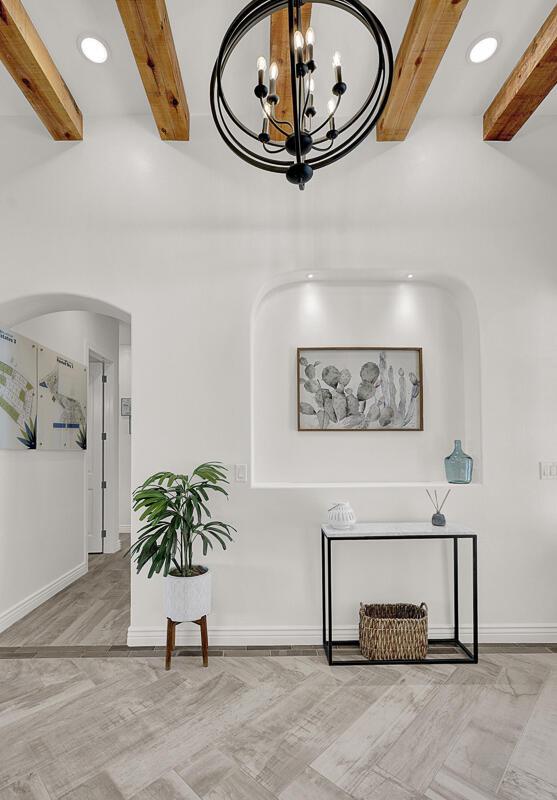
(204, 639)
(170, 639)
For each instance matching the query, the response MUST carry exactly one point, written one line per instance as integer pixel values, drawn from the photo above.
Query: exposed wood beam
(150, 35)
(429, 31)
(30, 65)
(280, 52)
(531, 80)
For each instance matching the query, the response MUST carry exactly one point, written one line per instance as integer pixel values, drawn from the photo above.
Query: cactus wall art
(359, 389)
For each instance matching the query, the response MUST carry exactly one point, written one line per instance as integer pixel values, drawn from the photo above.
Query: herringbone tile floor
(289, 728)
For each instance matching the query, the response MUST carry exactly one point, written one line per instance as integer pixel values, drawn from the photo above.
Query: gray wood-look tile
(167, 787)
(356, 752)
(421, 750)
(481, 754)
(98, 787)
(289, 728)
(376, 786)
(275, 754)
(536, 752)
(520, 785)
(237, 785)
(29, 787)
(447, 786)
(209, 768)
(312, 786)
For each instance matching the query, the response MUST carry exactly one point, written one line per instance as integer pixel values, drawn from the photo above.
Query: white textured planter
(187, 599)
(341, 515)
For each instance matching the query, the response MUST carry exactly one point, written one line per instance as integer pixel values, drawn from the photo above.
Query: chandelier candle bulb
(261, 67)
(310, 41)
(337, 67)
(299, 47)
(273, 75)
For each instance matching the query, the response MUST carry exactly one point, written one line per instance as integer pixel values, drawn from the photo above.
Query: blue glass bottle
(459, 466)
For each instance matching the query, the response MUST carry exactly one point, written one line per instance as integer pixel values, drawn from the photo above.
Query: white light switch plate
(241, 472)
(548, 470)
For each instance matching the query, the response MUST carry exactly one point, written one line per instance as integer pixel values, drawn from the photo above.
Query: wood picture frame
(335, 393)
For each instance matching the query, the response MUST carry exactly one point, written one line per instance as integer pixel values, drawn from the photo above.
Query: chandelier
(301, 138)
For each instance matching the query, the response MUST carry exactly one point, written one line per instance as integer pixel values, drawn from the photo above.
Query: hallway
(95, 610)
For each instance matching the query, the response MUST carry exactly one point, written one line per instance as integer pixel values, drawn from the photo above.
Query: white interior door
(94, 458)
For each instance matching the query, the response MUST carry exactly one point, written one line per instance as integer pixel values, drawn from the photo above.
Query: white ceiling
(459, 88)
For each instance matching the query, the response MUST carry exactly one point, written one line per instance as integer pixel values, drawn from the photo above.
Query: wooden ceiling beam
(150, 35)
(29, 63)
(280, 52)
(428, 33)
(529, 83)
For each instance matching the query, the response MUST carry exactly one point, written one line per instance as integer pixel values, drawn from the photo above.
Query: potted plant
(174, 509)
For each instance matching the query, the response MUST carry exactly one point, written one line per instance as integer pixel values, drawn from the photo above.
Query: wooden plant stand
(171, 640)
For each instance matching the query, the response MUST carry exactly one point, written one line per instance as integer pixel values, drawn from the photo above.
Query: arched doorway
(55, 593)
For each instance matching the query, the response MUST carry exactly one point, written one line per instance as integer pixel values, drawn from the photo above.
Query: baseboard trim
(125, 528)
(32, 601)
(285, 635)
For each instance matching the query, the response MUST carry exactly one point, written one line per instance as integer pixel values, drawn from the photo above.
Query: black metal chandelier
(310, 141)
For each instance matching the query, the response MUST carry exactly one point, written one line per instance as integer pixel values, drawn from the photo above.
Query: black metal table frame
(468, 657)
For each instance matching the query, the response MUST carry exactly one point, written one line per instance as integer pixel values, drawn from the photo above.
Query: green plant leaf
(172, 508)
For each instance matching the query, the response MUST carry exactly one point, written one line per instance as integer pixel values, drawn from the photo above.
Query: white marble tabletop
(395, 529)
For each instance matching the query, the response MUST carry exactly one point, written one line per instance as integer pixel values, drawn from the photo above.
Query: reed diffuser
(438, 519)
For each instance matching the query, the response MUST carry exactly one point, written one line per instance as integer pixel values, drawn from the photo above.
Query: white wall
(125, 451)
(197, 236)
(42, 537)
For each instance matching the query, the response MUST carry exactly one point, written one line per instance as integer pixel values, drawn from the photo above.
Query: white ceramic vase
(187, 599)
(341, 515)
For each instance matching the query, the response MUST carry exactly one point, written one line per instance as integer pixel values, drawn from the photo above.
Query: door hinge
(103, 437)
(103, 484)
(103, 534)
(105, 378)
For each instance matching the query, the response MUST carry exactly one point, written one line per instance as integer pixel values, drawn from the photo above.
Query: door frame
(113, 545)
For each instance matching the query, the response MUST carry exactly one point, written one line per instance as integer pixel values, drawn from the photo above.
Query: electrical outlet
(548, 470)
(241, 471)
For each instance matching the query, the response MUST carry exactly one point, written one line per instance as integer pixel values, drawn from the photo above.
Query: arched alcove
(355, 309)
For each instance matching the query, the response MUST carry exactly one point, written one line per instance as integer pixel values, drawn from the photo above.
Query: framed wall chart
(62, 403)
(359, 389)
(18, 392)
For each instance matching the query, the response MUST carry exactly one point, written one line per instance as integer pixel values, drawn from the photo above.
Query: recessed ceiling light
(309, 276)
(483, 49)
(93, 49)
(410, 276)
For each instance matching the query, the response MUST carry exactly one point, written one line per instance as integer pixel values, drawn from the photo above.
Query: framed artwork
(18, 392)
(62, 406)
(359, 389)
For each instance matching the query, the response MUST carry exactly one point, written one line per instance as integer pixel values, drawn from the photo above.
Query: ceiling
(459, 88)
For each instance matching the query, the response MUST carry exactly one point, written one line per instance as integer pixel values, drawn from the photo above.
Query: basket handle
(424, 605)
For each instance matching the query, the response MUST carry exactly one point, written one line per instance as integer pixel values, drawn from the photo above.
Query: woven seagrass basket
(393, 631)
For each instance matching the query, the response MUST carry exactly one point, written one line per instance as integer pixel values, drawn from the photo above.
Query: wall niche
(439, 319)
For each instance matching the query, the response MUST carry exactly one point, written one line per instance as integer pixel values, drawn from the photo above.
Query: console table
(391, 531)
